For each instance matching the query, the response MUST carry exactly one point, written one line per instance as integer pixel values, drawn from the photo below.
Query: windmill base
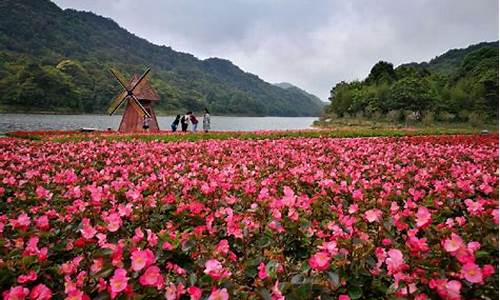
(132, 121)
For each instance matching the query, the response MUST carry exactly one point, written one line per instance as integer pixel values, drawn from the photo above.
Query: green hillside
(57, 60)
(458, 86)
(293, 88)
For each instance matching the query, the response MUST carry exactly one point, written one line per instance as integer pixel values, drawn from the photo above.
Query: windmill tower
(139, 97)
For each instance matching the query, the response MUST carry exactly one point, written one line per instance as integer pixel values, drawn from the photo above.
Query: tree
(412, 94)
(381, 72)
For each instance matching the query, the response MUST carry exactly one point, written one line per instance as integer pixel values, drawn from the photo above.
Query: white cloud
(310, 43)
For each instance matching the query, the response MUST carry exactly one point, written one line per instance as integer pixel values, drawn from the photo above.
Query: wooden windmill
(139, 97)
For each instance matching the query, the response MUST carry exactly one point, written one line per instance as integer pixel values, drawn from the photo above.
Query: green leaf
(355, 292)
(264, 294)
(298, 279)
(192, 279)
(28, 260)
(481, 254)
(334, 279)
(187, 245)
(264, 242)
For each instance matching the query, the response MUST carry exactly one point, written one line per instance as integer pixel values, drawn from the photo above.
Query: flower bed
(248, 219)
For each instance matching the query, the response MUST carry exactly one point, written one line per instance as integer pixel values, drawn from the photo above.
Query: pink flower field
(294, 218)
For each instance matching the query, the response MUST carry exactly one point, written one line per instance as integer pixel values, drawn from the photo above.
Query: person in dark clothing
(194, 121)
(175, 123)
(184, 123)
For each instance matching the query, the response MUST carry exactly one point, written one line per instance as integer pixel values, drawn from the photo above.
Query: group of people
(189, 117)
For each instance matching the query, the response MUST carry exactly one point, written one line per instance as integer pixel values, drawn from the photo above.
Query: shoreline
(158, 115)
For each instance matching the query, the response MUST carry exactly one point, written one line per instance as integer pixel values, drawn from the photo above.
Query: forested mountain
(58, 60)
(458, 86)
(293, 88)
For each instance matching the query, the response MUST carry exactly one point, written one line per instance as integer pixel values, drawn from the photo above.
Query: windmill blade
(119, 76)
(116, 102)
(138, 106)
(140, 79)
(139, 86)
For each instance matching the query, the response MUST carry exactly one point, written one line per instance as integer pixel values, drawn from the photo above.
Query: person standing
(206, 120)
(145, 124)
(194, 121)
(175, 123)
(184, 123)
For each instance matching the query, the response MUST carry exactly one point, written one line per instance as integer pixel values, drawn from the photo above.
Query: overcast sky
(310, 43)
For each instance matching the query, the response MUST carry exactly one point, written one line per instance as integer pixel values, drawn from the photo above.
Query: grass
(332, 123)
(337, 133)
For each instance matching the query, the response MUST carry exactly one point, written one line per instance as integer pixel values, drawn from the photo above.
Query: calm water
(14, 122)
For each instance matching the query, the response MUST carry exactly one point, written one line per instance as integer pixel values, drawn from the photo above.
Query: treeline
(459, 86)
(58, 60)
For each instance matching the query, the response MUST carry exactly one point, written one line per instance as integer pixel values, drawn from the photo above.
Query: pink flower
(330, 247)
(151, 277)
(152, 238)
(320, 261)
(97, 265)
(488, 270)
(214, 269)
(357, 194)
(449, 290)
(276, 293)
(31, 276)
(175, 268)
(474, 207)
(133, 195)
(139, 235)
(16, 293)
(421, 296)
(114, 222)
(494, 214)
(142, 258)
(222, 247)
(194, 292)
(42, 193)
(423, 216)
(118, 282)
(23, 220)
(344, 297)
(417, 245)
(172, 292)
(42, 222)
(219, 294)
(394, 261)
(373, 215)
(262, 271)
(167, 246)
(452, 289)
(453, 244)
(473, 246)
(76, 294)
(87, 230)
(472, 273)
(41, 292)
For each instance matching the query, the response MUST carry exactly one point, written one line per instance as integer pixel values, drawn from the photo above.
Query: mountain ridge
(36, 35)
(460, 85)
(291, 87)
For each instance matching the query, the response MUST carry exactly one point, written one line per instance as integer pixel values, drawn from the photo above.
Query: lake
(32, 122)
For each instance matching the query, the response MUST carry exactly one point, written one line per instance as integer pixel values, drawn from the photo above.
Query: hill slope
(54, 59)
(461, 85)
(451, 60)
(293, 88)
